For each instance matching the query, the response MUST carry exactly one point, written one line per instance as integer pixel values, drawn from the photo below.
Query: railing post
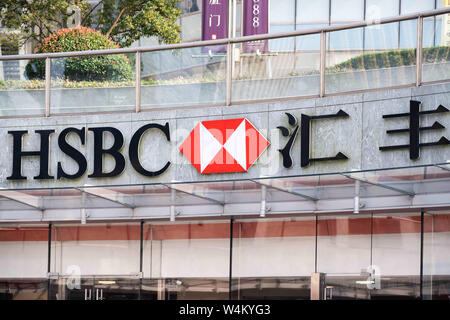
(138, 81)
(229, 72)
(322, 63)
(47, 86)
(419, 62)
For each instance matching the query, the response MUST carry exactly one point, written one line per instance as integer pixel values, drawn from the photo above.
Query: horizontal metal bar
(229, 40)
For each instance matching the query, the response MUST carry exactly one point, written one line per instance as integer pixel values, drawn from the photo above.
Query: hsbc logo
(220, 146)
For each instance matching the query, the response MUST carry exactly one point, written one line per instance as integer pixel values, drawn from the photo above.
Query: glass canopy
(399, 189)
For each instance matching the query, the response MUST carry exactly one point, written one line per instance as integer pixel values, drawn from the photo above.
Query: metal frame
(230, 42)
(29, 200)
(138, 81)
(285, 190)
(336, 198)
(107, 194)
(171, 187)
(411, 194)
(419, 63)
(47, 86)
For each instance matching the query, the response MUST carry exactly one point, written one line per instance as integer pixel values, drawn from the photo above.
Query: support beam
(173, 194)
(412, 194)
(29, 200)
(108, 194)
(442, 167)
(190, 190)
(392, 203)
(280, 188)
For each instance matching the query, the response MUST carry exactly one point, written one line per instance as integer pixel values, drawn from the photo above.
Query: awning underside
(404, 189)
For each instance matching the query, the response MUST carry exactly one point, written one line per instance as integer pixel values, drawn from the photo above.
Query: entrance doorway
(95, 288)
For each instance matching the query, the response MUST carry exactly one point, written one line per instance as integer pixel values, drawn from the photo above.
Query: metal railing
(230, 44)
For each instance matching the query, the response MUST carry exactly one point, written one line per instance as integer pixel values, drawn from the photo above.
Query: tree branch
(89, 13)
(115, 22)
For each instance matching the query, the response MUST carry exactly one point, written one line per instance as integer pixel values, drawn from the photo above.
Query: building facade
(307, 171)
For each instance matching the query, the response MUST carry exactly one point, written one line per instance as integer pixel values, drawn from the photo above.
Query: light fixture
(107, 282)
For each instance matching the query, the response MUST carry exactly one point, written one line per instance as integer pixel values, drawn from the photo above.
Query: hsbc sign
(217, 146)
(302, 141)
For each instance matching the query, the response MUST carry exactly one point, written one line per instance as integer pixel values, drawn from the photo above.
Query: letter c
(133, 150)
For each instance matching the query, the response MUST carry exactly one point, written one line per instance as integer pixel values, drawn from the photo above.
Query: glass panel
(278, 73)
(377, 9)
(284, 12)
(309, 42)
(22, 87)
(196, 289)
(381, 37)
(349, 68)
(189, 260)
(396, 255)
(95, 288)
(436, 270)
(96, 249)
(410, 6)
(116, 288)
(29, 289)
(343, 244)
(192, 27)
(408, 34)
(312, 11)
(273, 258)
(183, 77)
(23, 252)
(281, 44)
(92, 84)
(347, 10)
(436, 51)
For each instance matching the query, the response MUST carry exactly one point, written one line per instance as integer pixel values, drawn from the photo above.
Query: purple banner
(256, 21)
(214, 22)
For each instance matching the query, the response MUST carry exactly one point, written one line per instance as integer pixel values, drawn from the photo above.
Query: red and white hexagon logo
(217, 146)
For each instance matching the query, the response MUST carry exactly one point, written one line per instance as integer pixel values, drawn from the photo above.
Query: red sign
(216, 146)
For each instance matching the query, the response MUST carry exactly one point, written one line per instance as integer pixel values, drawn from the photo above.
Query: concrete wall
(358, 136)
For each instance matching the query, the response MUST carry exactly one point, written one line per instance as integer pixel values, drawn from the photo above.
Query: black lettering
(114, 151)
(42, 154)
(134, 149)
(73, 153)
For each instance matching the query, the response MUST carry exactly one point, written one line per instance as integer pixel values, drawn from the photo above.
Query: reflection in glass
(436, 271)
(436, 51)
(93, 84)
(95, 249)
(290, 68)
(22, 90)
(187, 260)
(273, 258)
(183, 77)
(353, 64)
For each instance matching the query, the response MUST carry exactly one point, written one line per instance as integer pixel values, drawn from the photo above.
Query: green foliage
(123, 21)
(393, 58)
(138, 18)
(89, 68)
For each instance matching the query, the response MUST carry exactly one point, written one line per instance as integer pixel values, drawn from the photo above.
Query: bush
(394, 58)
(90, 68)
